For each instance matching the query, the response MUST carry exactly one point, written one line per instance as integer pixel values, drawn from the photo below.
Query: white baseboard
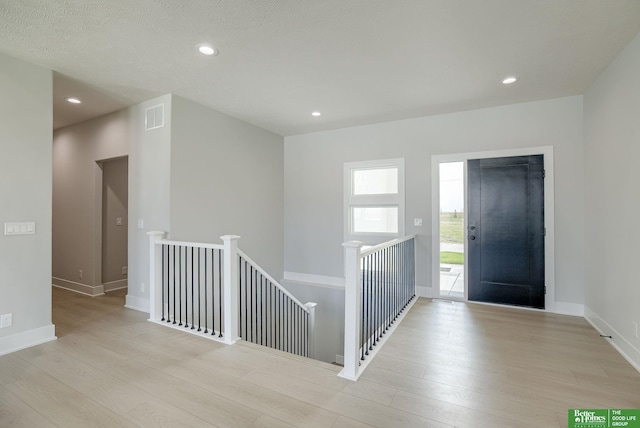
(340, 359)
(619, 343)
(328, 281)
(566, 308)
(85, 289)
(115, 285)
(27, 339)
(423, 291)
(137, 303)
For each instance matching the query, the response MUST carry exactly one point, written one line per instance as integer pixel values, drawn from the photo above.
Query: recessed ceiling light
(316, 114)
(73, 100)
(206, 49)
(509, 80)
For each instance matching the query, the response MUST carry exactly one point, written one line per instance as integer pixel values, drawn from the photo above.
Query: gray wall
(77, 197)
(115, 197)
(612, 150)
(226, 178)
(149, 183)
(25, 195)
(314, 179)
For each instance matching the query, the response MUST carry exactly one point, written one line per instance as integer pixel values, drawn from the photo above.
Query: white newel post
(155, 276)
(231, 289)
(311, 307)
(352, 310)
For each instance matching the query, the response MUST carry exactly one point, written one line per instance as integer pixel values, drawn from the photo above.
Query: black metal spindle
(163, 280)
(220, 291)
(258, 307)
(213, 293)
(363, 318)
(199, 286)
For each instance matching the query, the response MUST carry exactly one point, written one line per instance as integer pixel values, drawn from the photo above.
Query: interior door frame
(549, 243)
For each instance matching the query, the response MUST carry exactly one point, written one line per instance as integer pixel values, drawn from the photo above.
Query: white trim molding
(115, 285)
(137, 303)
(567, 308)
(619, 343)
(549, 212)
(87, 290)
(311, 279)
(27, 339)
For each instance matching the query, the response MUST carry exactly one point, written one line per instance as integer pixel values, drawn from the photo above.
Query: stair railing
(379, 285)
(217, 291)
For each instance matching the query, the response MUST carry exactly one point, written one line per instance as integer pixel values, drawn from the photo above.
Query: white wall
(149, 195)
(226, 178)
(77, 198)
(314, 180)
(26, 120)
(612, 176)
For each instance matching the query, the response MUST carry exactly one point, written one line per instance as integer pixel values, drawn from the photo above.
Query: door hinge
(545, 289)
(544, 173)
(545, 231)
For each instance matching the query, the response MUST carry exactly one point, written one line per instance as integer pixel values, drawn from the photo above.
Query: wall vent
(154, 117)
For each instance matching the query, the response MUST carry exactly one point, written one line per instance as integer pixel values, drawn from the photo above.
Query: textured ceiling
(356, 61)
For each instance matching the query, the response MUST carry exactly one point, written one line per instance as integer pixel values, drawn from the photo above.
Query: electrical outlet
(635, 329)
(80, 273)
(124, 270)
(417, 222)
(6, 320)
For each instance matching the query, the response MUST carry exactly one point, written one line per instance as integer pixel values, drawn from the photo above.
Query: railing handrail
(273, 281)
(190, 244)
(363, 335)
(384, 245)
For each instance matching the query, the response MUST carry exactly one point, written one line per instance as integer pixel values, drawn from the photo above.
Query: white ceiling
(356, 61)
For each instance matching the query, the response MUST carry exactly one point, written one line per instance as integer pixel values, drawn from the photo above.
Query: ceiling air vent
(154, 117)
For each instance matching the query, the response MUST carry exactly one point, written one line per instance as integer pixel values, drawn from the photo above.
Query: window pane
(375, 181)
(375, 219)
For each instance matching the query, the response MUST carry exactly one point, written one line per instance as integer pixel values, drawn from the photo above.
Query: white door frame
(549, 243)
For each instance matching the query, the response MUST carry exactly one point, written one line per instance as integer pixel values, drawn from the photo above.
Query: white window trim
(373, 200)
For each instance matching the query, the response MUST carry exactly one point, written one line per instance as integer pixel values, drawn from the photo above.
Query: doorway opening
(450, 257)
(114, 242)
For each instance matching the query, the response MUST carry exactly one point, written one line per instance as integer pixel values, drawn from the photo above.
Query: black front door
(506, 230)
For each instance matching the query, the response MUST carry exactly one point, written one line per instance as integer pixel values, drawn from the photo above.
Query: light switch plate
(417, 222)
(20, 228)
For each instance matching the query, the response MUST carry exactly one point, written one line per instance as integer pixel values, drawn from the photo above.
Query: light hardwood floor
(447, 365)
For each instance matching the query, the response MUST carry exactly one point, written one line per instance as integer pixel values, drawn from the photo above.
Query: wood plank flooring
(446, 365)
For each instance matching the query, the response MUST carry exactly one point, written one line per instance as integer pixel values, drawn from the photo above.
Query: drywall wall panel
(612, 150)
(226, 178)
(26, 119)
(314, 180)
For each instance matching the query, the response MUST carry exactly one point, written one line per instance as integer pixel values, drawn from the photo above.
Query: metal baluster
(186, 286)
(192, 297)
(199, 286)
(270, 310)
(206, 300)
(261, 303)
(163, 281)
(213, 293)
(363, 318)
(220, 290)
(250, 338)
